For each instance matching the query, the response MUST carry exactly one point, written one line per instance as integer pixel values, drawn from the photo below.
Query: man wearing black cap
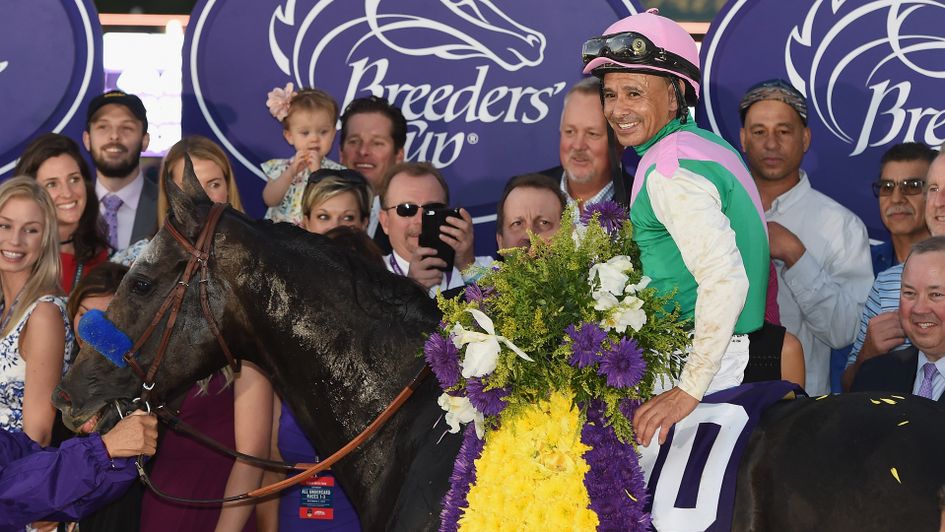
(116, 134)
(820, 248)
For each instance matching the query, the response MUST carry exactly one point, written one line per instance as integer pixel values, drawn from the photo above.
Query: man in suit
(116, 133)
(584, 173)
(918, 369)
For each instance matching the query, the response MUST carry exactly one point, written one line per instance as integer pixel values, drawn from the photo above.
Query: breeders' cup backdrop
(50, 67)
(481, 82)
(873, 73)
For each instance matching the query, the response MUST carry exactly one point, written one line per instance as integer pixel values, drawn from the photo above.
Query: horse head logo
(445, 29)
(828, 50)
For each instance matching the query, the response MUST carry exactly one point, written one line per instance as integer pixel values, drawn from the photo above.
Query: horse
(339, 337)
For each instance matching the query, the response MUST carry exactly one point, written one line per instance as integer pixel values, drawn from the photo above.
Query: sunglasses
(635, 48)
(409, 210)
(908, 187)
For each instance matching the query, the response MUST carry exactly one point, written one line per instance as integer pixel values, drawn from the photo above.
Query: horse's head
(97, 387)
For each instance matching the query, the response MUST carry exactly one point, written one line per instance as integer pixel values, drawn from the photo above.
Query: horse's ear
(183, 203)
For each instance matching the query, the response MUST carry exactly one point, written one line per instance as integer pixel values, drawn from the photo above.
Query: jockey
(696, 213)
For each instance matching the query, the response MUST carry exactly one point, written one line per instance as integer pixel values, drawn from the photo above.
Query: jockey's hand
(883, 332)
(458, 233)
(134, 435)
(662, 412)
(424, 266)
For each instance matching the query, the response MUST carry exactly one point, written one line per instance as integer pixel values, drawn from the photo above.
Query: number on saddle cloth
(100, 333)
(691, 478)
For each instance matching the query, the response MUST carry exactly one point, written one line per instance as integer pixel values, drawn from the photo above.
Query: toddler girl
(308, 118)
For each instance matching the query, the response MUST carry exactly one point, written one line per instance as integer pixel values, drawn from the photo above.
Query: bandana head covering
(774, 89)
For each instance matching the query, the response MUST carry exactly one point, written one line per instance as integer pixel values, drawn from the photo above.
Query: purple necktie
(112, 203)
(926, 389)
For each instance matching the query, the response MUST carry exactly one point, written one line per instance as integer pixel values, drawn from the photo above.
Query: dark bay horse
(339, 338)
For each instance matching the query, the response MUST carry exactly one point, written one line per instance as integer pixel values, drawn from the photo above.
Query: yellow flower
(530, 475)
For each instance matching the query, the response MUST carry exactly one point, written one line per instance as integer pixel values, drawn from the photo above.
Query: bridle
(200, 254)
(199, 258)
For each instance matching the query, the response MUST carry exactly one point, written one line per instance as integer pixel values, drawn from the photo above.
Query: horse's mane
(397, 298)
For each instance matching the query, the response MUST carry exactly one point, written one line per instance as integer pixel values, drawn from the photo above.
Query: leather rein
(200, 254)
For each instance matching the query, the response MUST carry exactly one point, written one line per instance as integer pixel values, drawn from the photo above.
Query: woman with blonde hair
(336, 197)
(211, 166)
(35, 336)
(233, 409)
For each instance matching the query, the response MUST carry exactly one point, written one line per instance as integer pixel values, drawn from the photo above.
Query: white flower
(460, 410)
(482, 349)
(612, 274)
(604, 300)
(629, 313)
(634, 288)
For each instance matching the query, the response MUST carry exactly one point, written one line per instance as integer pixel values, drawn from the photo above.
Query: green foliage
(537, 293)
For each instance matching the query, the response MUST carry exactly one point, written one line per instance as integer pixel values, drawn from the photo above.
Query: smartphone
(430, 224)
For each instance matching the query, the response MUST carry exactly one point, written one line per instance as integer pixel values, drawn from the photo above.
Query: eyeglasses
(409, 210)
(908, 187)
(635, 48)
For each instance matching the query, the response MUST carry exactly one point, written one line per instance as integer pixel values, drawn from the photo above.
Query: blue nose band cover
(96, 331)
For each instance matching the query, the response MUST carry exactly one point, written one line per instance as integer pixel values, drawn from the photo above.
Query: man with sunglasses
(695, 210)
(900, 190)
(880, 330)
(408, 189)
(820, 248)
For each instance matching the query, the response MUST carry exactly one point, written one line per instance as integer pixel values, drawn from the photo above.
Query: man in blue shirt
(880, 330)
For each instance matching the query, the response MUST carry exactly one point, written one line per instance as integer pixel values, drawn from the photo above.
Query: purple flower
(614, 472)
(464, 476)
(489, 402)
(611, 218)
(623, 364)
(475, 294)
(443, 357)
(585, 344)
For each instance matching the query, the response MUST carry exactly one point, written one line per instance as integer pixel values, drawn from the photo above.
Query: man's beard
(121, 168)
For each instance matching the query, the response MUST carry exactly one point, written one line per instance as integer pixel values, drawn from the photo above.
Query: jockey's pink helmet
(676, 55)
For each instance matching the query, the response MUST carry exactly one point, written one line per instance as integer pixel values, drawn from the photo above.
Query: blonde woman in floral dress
(35, 337)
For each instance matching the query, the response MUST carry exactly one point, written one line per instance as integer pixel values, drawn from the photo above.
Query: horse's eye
(141, 286)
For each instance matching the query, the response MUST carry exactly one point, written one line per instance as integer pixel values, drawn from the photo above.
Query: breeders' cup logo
(907, 55)
(45, 82)
(480, 82)
(444, 30)
(872, 72)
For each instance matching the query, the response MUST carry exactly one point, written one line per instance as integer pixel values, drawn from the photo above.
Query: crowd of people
(777, 278)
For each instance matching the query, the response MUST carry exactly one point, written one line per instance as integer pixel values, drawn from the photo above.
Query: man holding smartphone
(410, 189)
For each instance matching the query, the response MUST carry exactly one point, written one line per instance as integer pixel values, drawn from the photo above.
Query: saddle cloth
(691, 478)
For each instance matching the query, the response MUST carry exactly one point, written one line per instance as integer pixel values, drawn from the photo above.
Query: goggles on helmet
(634, 48)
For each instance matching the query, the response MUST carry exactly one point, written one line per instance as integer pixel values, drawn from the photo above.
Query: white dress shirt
(453, 280)
(129, 194)
(822, 295)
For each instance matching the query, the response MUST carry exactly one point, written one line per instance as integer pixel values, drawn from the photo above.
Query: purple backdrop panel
(873, 73)
(50, 67)
(481, 82)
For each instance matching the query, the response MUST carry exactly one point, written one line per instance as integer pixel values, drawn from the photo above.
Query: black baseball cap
(132, 102)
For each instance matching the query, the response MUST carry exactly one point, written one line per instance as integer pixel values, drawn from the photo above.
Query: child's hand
(299, 162)
(314, 161)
